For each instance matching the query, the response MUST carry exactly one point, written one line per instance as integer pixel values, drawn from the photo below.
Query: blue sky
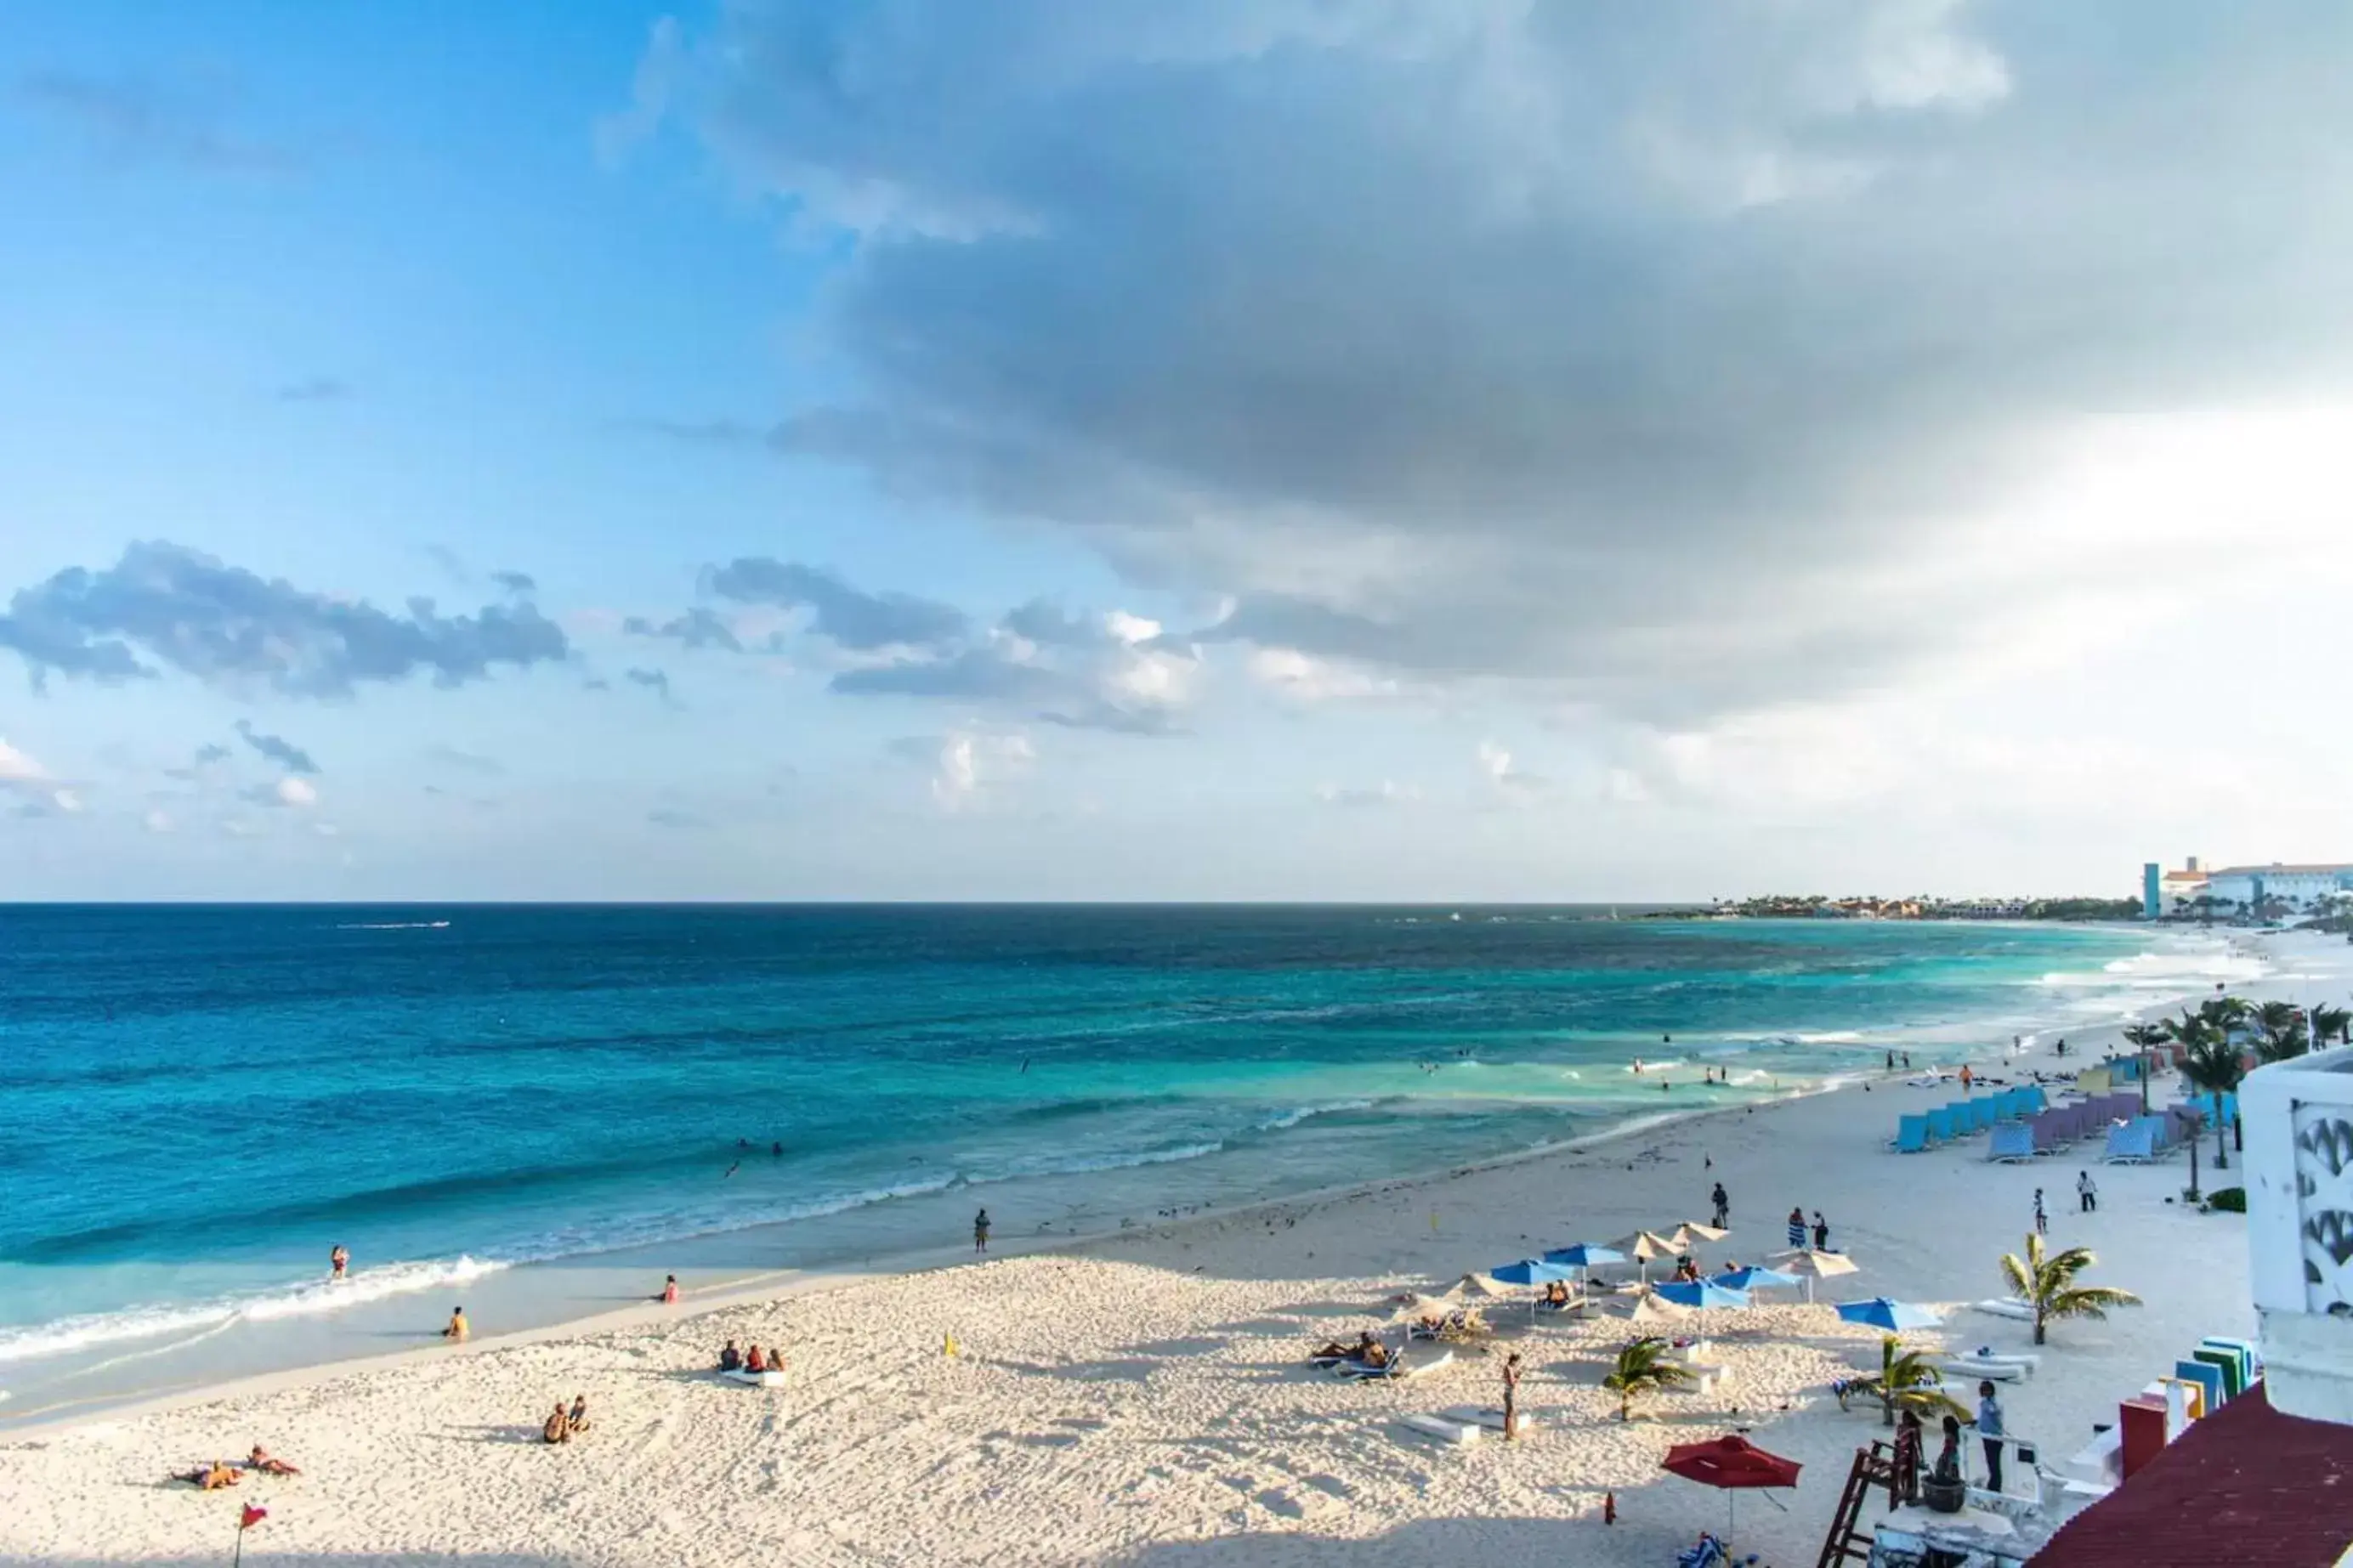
(1349, 449)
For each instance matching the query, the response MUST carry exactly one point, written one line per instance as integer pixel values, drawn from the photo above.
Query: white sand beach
(1145, 1399)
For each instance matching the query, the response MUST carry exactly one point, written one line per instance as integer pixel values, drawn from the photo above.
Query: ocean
(540, 1110)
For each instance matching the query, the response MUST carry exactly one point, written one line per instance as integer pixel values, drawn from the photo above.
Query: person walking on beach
(980, 1231)
(2086, 1194)
(1891, 1061)
(1796, 1227)
(339, 1263)
(1989, 1433)
(1512, 1398)
(2041, 1219)
(1723, 1201)
(1966, 1078)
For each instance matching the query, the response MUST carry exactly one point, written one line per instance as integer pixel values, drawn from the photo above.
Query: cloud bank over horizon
(1258, 447)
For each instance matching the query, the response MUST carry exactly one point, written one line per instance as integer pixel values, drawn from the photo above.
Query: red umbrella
(1733, 1464)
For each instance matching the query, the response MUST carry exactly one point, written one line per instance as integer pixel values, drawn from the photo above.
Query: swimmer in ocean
(1638, 1067)
(733, 1169)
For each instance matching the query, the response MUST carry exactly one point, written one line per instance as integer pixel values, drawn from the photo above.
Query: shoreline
(1138, 1397)
(776, 1285)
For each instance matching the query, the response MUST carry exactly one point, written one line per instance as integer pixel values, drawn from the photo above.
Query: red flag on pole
(251, 1517)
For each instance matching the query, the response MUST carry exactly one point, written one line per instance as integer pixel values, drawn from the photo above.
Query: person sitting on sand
(211, 1477)
(260, 1459)
(776, 1359)
(668, 1297)
(730, 1359)
(578, 1420)
(753, 1362)
(457, 1329)
(558, 1426)
(1556, 1294)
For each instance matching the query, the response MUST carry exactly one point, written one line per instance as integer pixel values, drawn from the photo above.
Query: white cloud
(38, 792)
(1307, 679)
(968, 764)
(1387, 792)
(1504, 773)
(297, 792)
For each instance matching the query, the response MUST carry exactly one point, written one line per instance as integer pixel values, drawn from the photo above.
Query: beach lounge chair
(1911, 1135)
(2052, 1131)
(2233, 1370)
(2092, 1081)
(2160, 1133)
(1940, 1125)
(2207, 1376)
(2031, 1101)
(2005, 1307)
(1443, 1430)
(1973, 1366)
(2013, 1144)
(1490, 1416)
(2128, 1146)
(1398, 1368)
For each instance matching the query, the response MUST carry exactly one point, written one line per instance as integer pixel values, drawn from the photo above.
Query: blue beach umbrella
(1701, 1294)
(1879, 1312)
(1748, 1279)
(1533, 1271)
(1582, 1256)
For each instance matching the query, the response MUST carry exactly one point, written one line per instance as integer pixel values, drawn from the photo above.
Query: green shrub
(2229, 1200)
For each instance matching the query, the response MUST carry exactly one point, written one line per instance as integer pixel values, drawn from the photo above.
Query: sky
(1293, 449)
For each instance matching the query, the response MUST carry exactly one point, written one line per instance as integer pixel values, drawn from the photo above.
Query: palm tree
(1643, 1368)
(2144, 1039)
(2283, 1035)
(2333, 1023)
(2211, 1062)
(2047, 1285)
(1907, 1380)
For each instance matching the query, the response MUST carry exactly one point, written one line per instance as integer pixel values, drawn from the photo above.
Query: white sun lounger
(1445, 1431)
(1399, 1367)
(1490, 1416)
(1971, 1366)
(757, 1379)
(2005, 1307)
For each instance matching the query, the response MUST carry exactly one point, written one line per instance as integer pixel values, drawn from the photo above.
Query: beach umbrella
(1643, 1247)
(1583, 1257)
(1476, 1285)
(1417, 1308)
(1731, 1465)
(1699, 1295)
(1691, 1233)
(1894, 1317)
(1811, 1266)
(1533, 1271)
(1649, 1308)
(1750, 1277)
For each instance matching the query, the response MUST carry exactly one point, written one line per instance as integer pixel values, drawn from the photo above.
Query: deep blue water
(201, 1100)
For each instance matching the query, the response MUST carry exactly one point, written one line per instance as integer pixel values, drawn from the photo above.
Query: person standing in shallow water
(339, 1262)
(980, 1231)
(1796, 1227)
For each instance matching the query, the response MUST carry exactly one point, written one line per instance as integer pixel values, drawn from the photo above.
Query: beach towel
(1442, 1429)
(757, 1379)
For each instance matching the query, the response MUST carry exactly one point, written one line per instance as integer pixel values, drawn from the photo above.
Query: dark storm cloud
(164, 607)
(1632, 348)
(516, 582)
(294, 758)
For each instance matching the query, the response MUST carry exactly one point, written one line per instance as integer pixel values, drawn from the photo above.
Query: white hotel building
(2244, 889)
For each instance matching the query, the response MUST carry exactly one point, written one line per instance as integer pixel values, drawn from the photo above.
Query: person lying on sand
(578, 1420)
(730, 1359)
(211, 1477)
(260, 1459)
(1332, 1350)
(557, 1429)
(1376, 1354)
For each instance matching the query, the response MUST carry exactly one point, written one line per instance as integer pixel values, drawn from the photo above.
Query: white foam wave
(395, 925)
(1293, 1117)
(1084, 1164)
(63, 1336)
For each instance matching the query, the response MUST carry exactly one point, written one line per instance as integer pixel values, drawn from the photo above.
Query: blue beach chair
(1940, 1125)
(2013, 1144)
(1911, 1135)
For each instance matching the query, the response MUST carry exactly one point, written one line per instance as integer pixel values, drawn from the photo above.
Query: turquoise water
(201, 1101)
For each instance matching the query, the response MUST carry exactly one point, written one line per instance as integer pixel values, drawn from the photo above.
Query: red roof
(2245, 1486)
